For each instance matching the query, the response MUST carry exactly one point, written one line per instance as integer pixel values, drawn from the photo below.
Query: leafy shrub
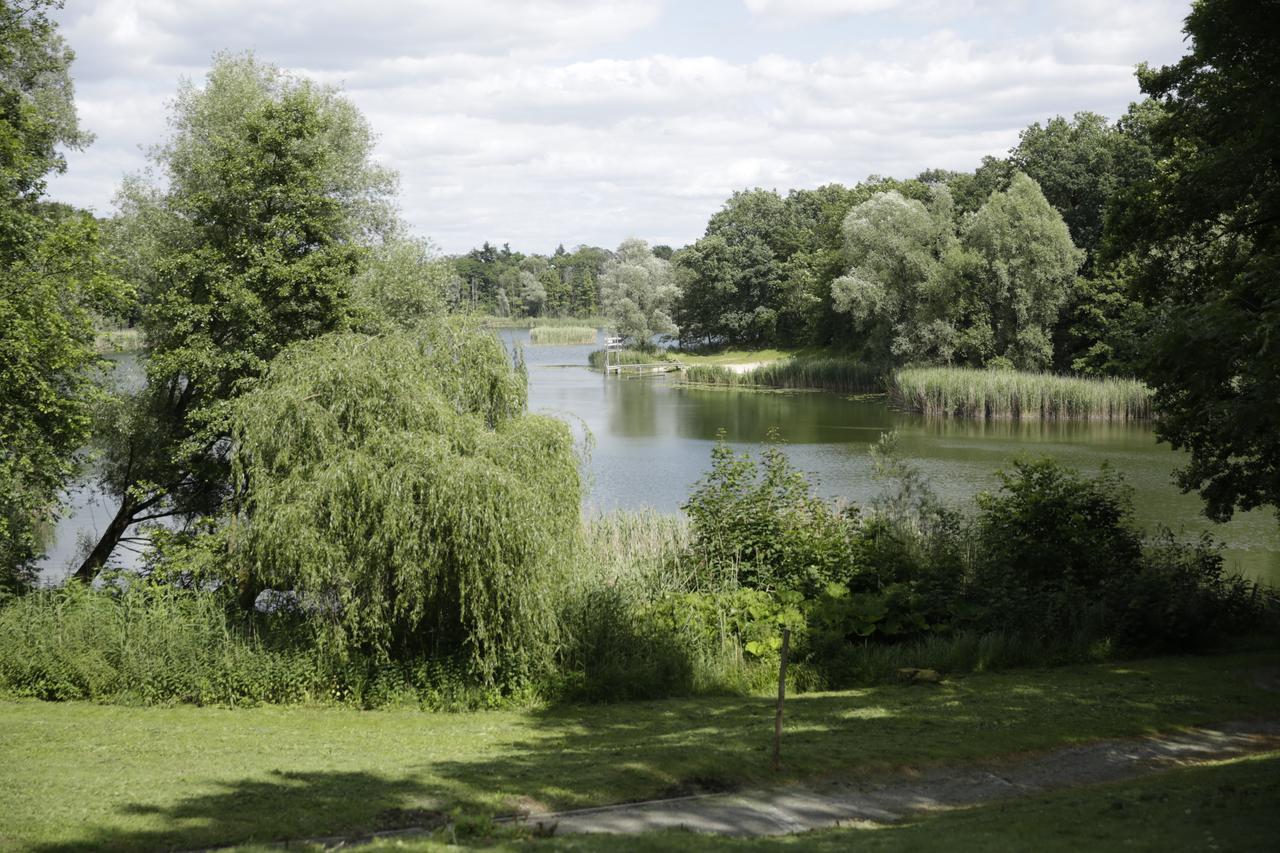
(1048, 543)
(1182, 598)
(760, 525)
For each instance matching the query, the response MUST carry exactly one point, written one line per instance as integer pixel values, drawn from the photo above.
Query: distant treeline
(1006, 265)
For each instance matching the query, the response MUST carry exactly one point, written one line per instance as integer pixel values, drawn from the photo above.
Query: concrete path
(797, 809)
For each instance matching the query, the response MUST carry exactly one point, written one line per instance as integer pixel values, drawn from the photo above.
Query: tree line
(1145, 245)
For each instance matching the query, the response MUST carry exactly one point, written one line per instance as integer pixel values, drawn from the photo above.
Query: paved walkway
(797, 809)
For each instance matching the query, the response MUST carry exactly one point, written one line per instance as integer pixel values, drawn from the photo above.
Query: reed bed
(562, 335)
(627, 356)
(1010, 394)
(841, 375)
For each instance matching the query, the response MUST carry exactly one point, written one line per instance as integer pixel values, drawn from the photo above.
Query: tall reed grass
(627, 356)
(841, 375)
(970, 393)
(562, 335)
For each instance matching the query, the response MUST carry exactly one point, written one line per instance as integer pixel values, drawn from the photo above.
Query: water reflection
(653, 442)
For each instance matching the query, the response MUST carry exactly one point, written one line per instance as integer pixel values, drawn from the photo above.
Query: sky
(542, 122)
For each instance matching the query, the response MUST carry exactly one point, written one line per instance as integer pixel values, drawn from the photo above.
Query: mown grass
(1228, 805)
(79, 775)
(970, 393)
(562, 335)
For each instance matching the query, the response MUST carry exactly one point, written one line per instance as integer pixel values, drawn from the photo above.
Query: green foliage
(563, 335)
(397, 481)
(1057, 556)
(48, 382)
(264, 204)
(627, 356)
(637, 290)
(899, 288)
(152, 645)
(1050, 529)
(53, 282)
(402, 283)
(991, 393)
(760, 525)
(1023, 271)
(827, 373)
(1205, 230)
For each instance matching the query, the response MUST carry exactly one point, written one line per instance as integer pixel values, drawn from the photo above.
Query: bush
(146, 644)
(760, 525)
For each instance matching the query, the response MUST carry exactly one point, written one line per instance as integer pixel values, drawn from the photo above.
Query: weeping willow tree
(397, 483)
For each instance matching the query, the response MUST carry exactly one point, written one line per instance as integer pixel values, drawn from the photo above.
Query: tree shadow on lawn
(574, 756)
(583, 756)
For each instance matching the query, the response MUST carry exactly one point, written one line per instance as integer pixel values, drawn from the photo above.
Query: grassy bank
(628, 356)
(79, 775)
(562, 335)
(733, 356)
(969, 393)
(841, 375)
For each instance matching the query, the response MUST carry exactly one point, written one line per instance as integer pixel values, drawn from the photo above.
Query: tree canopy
(1204, 230)
(637, 289)
(53, 280)
(397, 482)
(259, 215)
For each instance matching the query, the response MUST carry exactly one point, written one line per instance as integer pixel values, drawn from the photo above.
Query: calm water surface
(653, 440)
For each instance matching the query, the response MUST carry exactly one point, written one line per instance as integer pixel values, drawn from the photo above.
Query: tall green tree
(52, 281)
(1205, 230)
(638, 290)
(897, 292)
(1022, 271)
(244, 239)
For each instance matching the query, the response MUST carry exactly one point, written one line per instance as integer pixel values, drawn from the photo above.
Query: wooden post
(782, 694)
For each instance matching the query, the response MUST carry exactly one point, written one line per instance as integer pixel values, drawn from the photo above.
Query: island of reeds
(562, 335)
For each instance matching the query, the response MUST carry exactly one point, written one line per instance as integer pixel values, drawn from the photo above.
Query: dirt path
(796, 809)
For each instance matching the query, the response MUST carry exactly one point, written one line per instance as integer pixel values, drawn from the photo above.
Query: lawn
(734, 356)
(78, 775)
(1225, 806)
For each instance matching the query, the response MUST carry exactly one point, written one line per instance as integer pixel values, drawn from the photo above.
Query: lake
(652, 440)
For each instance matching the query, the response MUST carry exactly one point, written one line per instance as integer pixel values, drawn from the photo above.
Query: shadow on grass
(281, 807)
(575, 756)
(587, 755)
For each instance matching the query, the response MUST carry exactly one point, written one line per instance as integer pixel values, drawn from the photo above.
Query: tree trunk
(107, 543)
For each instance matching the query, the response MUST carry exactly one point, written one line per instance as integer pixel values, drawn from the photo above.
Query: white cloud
(820, 8)
(557, 121)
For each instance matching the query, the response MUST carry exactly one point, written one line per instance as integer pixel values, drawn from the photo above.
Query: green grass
(628, 356)
(562, 335)
(1226, 805)
(734, 356)
(965, 392)
(78, 775)
(829, 373)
